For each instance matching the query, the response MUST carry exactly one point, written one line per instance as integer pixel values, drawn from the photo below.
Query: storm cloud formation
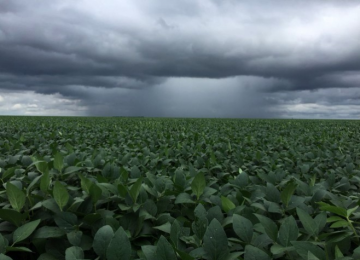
(198, 58)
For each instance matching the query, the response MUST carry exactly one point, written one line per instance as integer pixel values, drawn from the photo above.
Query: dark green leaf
(58, 161)
(309, 224)
(5, 257)
(243, 228)
(135, 190)
(45, 182)
(95, 193)
(254, 253)
(288, 231)
(216, 242)
(102, 239)
(119, 247)
(12, 216)
(61, 195)
(24, 231)
(164, 250)
(3, 244)
(16, 196)
(42, 167)
(85, 183)
(287, 192)
(175, 233)
(198, 184)
(227, 204)
(74, 237)
(303, 247)
(183, 198)
(74, 253)
(272, 193)
(18, 249)
(337, 210)
(269, 226)
(48, 232)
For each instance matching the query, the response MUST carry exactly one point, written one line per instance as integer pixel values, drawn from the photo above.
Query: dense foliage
(164, 189)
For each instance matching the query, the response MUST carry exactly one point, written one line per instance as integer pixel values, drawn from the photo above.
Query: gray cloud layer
(260, 54)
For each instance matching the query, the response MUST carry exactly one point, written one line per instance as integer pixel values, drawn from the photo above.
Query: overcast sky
(187, 58)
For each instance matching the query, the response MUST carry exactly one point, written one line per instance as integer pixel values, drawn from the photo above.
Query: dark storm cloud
(131, 50)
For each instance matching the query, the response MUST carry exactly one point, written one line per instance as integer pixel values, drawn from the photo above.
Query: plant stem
(353, 229)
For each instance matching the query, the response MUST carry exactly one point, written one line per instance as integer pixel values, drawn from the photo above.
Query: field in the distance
(166, 189)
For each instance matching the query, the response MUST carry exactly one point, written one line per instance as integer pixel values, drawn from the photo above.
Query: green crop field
(167, 189)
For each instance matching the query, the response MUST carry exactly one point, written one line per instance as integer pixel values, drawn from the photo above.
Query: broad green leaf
(243, 228)
(278, 249)
(227, 204)
(304, 168)
(5, 257)
(71, 169)
(61, 195)
(183, 255)
(135, 190)
(12, 216)
(42, 167)
(149, 252)
(215, 213)
(164, 250)
(340, 223)
(198, 253)
(311, 256)
(200, 211)
(338, 252)
(48, 232)
(74, 237)
(74, 253)
(66, 221)
(254, 253)
(272, 193)
(32, 184)
(51, 205)
(183, 198)
(269, 226)
(288, 231)
(216, 242)
(350, 211)
(16, 196)
(307, 221)
(199, 226)
(3, 244)
(24, 231)
(337, 210)
(58, 161)
(119, 246)
(287, 192)
(95, 193)
(175, 233)
(198, 184)
(18, 249)
(333, 219)
(45, 182)
(166, 227)
(303, 247)
(356, 253)
(85, 183)
(320, 221)
(242, 180)
(102, 239)
(123, 190)
(179, 179)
